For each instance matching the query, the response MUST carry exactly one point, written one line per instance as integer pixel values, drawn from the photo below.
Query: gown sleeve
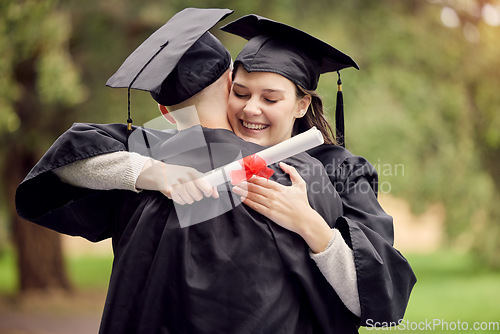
(385, 278)
(44, 199)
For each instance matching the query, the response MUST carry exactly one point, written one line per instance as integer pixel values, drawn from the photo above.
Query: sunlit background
(423, 108)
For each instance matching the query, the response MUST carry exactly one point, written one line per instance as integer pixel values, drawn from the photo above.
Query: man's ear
(166, 114)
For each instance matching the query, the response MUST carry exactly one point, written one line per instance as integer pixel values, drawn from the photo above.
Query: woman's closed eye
(272, 95)
(272, 98)
(240, 96)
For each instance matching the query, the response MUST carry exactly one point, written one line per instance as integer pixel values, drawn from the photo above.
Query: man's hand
(179, 183)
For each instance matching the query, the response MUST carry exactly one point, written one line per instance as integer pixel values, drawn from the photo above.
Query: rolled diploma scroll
(290, 147)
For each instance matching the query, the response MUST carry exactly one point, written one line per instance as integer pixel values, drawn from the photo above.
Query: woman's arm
(336, 263)
(385, 278)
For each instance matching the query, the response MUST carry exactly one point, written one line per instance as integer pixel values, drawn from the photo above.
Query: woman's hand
(180, 183)
(287, 206)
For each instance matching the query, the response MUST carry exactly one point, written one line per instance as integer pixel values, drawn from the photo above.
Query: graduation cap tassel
(129, 120)
(339, 114)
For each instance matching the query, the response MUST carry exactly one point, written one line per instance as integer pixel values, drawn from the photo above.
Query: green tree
(55, 60)
(426, 97)
(45, 47)
(40, 83)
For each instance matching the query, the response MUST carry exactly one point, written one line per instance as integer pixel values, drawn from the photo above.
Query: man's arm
(44, 199)
(117, 170)
(132, 171)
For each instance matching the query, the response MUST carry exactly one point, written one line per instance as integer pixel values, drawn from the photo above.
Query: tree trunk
(39, 251)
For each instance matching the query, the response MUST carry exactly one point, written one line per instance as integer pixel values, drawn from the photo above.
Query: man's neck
(216, 121)
(208, 115)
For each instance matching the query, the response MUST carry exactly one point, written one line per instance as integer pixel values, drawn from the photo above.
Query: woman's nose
(252, 108)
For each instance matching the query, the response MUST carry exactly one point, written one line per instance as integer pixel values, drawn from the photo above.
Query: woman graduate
(280, 62)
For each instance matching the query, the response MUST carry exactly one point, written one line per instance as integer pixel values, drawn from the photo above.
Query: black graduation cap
(183, 51)
(298, 56)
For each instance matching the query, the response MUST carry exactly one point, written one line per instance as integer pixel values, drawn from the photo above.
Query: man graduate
(236, 272)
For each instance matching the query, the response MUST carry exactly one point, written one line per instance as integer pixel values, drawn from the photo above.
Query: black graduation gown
(235, 273)
(385, 278)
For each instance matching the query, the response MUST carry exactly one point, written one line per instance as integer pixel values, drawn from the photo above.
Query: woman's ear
(303, 105)
(166, 114)
(229, 80)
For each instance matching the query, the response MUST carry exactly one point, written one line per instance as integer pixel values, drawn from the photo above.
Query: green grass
(85, 272)
(8, 274)
(451, 287)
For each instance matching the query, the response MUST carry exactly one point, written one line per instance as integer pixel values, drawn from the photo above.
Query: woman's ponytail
(313, 117)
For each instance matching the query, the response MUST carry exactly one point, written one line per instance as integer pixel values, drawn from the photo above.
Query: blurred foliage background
(426, 97)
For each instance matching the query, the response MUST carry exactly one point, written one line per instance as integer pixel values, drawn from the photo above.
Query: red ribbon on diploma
(252, 165)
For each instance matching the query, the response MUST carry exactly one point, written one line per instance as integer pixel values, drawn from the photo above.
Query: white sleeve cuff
(137, 163)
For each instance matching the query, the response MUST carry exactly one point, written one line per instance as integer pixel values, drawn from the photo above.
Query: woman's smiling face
(263, 106)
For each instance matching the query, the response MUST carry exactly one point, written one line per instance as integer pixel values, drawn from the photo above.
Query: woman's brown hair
(313, 117)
